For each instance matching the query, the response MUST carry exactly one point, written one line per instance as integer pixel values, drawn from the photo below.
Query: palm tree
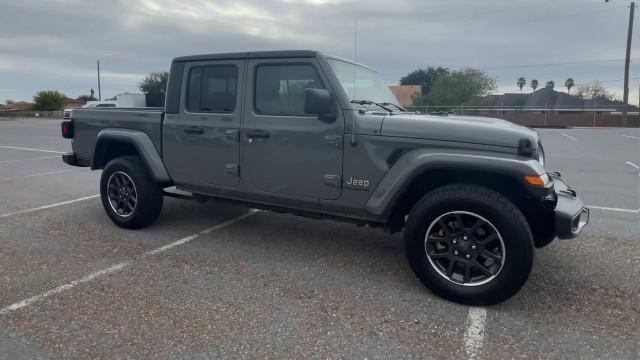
(550, 85)
(534, 84)
(569, 84)
(521, 83)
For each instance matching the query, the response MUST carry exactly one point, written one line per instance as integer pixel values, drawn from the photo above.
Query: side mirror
(317, 101)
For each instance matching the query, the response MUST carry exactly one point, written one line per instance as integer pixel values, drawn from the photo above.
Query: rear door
(202, 146)
(285, 150)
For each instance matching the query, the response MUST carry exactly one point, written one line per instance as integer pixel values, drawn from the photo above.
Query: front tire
(469, 244)
(129, 195)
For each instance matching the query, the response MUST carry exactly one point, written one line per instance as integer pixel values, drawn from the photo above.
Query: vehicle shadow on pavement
(180, 212)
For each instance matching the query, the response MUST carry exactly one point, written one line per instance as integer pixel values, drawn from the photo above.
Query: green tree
(424, 77)
(550, 85)
(459, 87)
(49, 100)
(521, 83)
(569, 84)
(156, 82)
(594, 91)
(534, 84)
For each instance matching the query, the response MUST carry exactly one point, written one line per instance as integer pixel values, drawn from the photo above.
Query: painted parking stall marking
(631, 137)
(632, 164)
(474, 334)
(29, 159)
(30, 149)
(26, 302)
(49, 206)
(120, 266)
(36, 175)
(569, 137)
(605, 208)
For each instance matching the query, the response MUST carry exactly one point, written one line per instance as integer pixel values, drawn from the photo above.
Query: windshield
(368, 84)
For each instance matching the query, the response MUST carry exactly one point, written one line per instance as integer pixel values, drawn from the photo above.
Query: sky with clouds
(55, 44)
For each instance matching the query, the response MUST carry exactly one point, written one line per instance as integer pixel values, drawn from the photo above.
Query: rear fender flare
(143, 145)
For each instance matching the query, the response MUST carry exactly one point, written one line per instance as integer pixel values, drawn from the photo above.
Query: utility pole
(99, 90)
(626, 65)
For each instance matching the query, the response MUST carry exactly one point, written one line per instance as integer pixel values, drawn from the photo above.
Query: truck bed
(88, 123)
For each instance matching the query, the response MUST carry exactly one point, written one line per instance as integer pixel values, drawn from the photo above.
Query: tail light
(67, 129)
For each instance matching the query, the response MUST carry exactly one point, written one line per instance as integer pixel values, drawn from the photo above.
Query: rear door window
(212, 89)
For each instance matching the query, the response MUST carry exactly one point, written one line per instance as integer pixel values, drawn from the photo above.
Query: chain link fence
(583, 116)
(31, 113)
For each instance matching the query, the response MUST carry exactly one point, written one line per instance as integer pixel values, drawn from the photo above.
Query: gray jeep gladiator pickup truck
(319, 136)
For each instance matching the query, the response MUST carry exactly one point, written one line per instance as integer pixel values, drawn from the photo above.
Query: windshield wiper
(394, 105)
(369, 102)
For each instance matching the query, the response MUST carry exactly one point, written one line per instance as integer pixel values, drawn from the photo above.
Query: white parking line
(26, 302)
(10, 151)
(631, 137)
(570, 137)
(33, 137)
(34, 175)
(632, 164)
(49, 206)
(30, 149)
(474, 335)
(631, 211)
(61, 288)
(29, 159)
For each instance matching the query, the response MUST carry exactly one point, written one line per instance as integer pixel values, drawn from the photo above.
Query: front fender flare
(415, 162)
(142, 143)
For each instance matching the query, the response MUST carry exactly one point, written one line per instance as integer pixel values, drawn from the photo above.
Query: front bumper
(570, 213)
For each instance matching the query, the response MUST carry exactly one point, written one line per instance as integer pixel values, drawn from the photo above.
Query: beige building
(406, 93)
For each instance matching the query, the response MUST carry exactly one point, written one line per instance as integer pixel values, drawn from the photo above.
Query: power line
(551, 64)
(599, 82)
(605, 81)
(528, 65)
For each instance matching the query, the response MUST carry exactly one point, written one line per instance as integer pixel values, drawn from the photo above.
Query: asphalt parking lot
(219, 281)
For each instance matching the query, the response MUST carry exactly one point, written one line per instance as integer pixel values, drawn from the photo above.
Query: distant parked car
(100, 104)
(93, 104)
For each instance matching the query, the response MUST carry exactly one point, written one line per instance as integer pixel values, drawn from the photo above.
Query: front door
(205, 135)
(285, 150)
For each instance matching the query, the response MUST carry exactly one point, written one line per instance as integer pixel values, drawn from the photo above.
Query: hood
(469, 129)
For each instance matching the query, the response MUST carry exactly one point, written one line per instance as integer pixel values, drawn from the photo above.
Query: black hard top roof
(250, 55)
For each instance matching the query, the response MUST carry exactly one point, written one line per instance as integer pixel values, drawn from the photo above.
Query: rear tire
(441, 230)
(129, 195)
